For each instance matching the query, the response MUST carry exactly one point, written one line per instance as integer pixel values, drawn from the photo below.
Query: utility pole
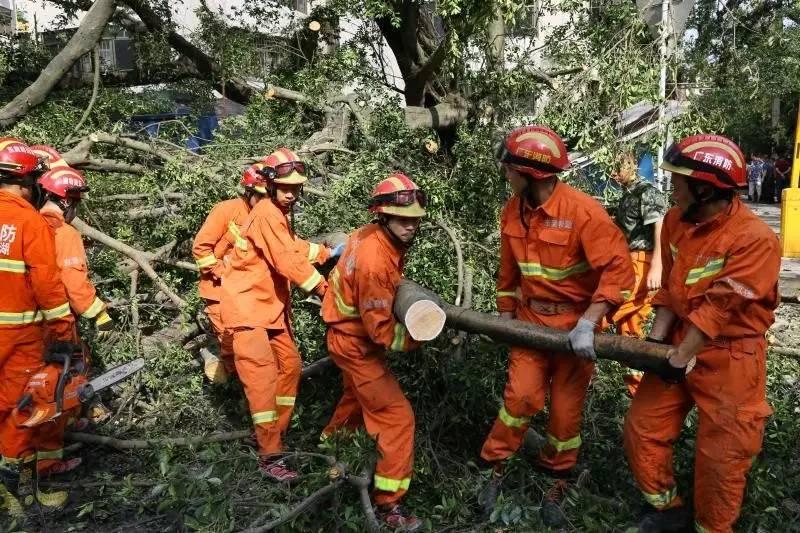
(662, 92)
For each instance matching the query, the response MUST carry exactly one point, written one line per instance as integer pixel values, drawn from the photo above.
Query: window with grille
(106, 49)
(526, 21)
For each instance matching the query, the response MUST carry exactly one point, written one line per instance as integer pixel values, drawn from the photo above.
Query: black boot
(673, 520)
(487, 497)
(551, 512)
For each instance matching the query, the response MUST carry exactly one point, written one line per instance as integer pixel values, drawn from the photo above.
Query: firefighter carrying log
(32, 294)
(362, 328)
(255, 305)
(563, 264)
(717, 301)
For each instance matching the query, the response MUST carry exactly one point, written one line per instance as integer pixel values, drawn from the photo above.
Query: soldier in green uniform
(639, 214)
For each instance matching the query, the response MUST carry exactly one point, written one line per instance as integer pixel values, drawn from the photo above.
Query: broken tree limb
(141, 444)
(136, 196)
(420, 311)
(307, 504)
(134, 254)
(440, 116)
(280, 93)
(460, 340)
(317, 367)
(791, 353)
(82, 42)
(631, 352)
(459, 257)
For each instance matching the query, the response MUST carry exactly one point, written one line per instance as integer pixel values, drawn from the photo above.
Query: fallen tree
(631, 352)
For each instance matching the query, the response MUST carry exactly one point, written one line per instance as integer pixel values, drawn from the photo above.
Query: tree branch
(82, 42)
(140, 444)
(93, 99)
(134, 254)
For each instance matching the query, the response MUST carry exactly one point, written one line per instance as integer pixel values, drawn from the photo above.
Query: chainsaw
(61, 385)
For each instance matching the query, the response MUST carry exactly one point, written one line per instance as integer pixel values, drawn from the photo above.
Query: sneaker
(276, 470)
(551, 512)
(61, 467)
(671, 520)
(396, 518)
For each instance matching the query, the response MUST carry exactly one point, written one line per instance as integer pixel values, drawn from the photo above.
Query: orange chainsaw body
(42, 388)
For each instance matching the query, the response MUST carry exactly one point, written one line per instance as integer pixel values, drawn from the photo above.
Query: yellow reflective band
(309, 284)
(51, 454)
(313, 251)
(57, 312)
(345, 310)
(391, 485)
(659, 501)
(512, 421)
(506, 294)
(11, 504)
(55, 499)
(94, 309)
(102, 318)
(711, 268)
(205, 262)
(550, 273)
(12, 265)
(626, 295)
(564, 445)
(284, 400)
(265, 417)
(700, 529)
(241, 242)
(399, 341)
(25, 317)
(673, 250)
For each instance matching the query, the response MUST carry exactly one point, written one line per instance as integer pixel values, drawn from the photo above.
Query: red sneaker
(61, 467)
(275, 470)
(396, 518)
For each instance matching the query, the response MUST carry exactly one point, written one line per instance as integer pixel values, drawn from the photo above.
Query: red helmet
(252, 179)
(50, 155)
(536, 151)
(66, 183)
(713, 159)
(285, 167)
(17, 160)
(398, 195)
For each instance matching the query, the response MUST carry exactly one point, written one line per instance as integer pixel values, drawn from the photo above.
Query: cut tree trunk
(440, 116)
(631, 352)
(82, 42)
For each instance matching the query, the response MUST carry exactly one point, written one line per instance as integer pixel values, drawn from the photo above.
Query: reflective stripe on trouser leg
(258, 372)
(290, 367)
(524, 396)
(654, 421)
(388, 415)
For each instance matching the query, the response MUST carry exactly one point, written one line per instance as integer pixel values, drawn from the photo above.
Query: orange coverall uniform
(570, 255)
(32, 292)
(721, 276)
(255, 306)
(362, 327)
(83, 300)
(218, 235)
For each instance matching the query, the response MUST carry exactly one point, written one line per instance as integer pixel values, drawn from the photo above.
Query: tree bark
(87, 36)
(626, 350)
(440, 116)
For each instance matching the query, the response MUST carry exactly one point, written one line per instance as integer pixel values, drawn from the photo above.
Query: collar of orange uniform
(19, 200)
(721, 218)
(53, 213)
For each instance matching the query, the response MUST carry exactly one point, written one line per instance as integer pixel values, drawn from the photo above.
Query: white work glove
(581, 339)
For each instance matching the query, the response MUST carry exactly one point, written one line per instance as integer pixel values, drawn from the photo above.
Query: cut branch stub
(626, 350)
(420, 311)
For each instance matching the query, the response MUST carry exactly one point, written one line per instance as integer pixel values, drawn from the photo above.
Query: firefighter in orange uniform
(358, 311)
(32, 292)
(563, 264)
(255, 306)
(214, 242)
(62, 187)
(718, 297)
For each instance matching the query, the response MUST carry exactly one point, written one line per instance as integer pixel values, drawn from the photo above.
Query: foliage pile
(215, 487)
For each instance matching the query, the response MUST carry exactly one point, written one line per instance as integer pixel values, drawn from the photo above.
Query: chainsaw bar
(116, 374)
